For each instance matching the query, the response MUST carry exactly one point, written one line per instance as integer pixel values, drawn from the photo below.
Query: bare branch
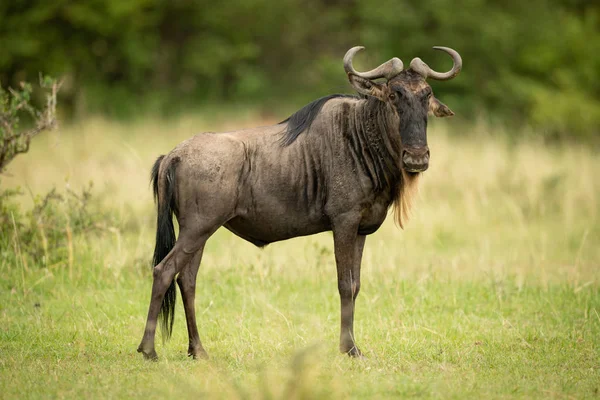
(13, 104)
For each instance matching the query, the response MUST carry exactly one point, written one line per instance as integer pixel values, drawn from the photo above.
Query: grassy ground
(491, 292)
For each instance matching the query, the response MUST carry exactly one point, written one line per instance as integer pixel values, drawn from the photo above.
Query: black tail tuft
(165, 238)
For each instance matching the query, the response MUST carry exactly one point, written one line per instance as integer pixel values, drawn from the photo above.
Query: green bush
(45, 234)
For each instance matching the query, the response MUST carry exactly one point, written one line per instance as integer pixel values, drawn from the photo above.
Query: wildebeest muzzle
(415, 159)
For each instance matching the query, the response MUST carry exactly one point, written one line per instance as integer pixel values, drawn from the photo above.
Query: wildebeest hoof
(354, 352)
(198, 354)
(148, 355)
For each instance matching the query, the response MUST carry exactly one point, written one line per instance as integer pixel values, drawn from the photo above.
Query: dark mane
(302, 119)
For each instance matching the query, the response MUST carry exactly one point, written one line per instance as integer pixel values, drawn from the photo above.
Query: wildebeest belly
(262, 223)
(268, 228)
(265, 229)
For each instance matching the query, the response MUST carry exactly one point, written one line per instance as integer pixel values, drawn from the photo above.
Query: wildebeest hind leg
(187, 284)
(185, 248)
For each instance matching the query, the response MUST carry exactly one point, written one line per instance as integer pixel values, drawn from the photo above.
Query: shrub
(45, 233)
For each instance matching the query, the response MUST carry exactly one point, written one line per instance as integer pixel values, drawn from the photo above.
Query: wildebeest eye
(392, 96)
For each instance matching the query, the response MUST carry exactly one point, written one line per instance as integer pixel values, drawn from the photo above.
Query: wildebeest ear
(367, 87)
(438, 108)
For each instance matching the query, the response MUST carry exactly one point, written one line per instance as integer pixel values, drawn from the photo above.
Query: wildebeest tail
(165, 236)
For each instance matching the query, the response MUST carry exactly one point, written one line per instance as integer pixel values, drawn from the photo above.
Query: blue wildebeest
(337, 164)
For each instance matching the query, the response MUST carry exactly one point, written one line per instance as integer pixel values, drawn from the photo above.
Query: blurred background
(526, 63)
(493, 289)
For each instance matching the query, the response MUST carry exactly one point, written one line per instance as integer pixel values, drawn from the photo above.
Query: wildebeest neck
(371, 135)
(368, 129)
(301, 121)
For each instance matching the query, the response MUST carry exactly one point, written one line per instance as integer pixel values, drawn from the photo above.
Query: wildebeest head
(410, 96)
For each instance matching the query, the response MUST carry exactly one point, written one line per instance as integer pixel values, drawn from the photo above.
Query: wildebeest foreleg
(187, 284)
(348, 254)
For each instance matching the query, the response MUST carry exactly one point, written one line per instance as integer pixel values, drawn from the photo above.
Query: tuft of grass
(492, 291)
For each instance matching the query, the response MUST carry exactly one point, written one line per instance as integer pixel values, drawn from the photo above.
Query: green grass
(491, 292)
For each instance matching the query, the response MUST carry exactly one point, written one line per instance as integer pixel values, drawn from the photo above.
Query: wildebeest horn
(387, 70)
(419, 66)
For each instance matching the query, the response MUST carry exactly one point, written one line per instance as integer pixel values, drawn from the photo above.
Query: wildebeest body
(338, 164)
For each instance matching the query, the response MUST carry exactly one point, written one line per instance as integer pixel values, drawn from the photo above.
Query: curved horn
(387, 70)
(424, 70)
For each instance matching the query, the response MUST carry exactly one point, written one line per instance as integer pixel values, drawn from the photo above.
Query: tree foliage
(533, 62)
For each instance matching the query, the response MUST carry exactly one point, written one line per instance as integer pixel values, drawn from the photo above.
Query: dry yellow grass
(487, 206)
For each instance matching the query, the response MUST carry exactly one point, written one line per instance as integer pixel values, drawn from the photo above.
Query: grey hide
(338, 164)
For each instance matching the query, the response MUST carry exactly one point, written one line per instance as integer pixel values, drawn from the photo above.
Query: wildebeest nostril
(418, 156)
(416, 160)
